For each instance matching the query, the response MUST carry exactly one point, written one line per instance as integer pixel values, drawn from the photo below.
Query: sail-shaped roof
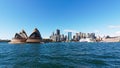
(36, 34)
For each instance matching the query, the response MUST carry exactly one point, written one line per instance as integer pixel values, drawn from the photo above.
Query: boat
(87, 40)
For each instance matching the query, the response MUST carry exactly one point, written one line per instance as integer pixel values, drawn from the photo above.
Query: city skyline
(88, 16)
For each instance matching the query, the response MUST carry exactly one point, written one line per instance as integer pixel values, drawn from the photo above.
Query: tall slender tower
(57, 35)
(69, 36)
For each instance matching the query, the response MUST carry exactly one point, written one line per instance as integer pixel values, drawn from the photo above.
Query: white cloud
(114, 26)
(68, 30)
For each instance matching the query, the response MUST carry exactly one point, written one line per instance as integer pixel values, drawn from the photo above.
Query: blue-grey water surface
(60, 55)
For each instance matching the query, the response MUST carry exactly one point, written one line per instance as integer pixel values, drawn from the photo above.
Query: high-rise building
(92, 35)
(69, 36)
(74, 37)
(62, 37)
(56, 37)
(58, 32)
(65, 38)
(53, 34)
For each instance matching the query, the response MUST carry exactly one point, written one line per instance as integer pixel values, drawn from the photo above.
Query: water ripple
(60, 55)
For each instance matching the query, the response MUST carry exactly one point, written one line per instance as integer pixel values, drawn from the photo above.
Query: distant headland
(5, 40)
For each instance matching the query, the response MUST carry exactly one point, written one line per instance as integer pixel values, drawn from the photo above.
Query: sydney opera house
(22, 37)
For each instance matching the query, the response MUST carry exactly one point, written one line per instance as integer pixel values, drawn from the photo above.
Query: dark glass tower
(58, 32)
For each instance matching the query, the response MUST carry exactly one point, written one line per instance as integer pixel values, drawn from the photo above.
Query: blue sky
(99, 16)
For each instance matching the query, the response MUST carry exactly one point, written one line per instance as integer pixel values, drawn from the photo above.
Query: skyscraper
(56, 37)
(69, 36)
(62, 37)
(58, 32)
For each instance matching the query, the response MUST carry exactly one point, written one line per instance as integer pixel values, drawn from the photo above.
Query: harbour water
(60, 55)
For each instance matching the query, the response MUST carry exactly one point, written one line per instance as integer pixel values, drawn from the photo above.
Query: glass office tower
(69, 36)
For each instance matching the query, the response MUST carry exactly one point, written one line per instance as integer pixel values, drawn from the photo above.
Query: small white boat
(86, 40)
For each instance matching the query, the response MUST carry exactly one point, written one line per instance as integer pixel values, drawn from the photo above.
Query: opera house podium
(35, 37)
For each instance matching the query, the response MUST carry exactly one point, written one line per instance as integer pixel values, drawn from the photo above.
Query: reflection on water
(60, 55)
